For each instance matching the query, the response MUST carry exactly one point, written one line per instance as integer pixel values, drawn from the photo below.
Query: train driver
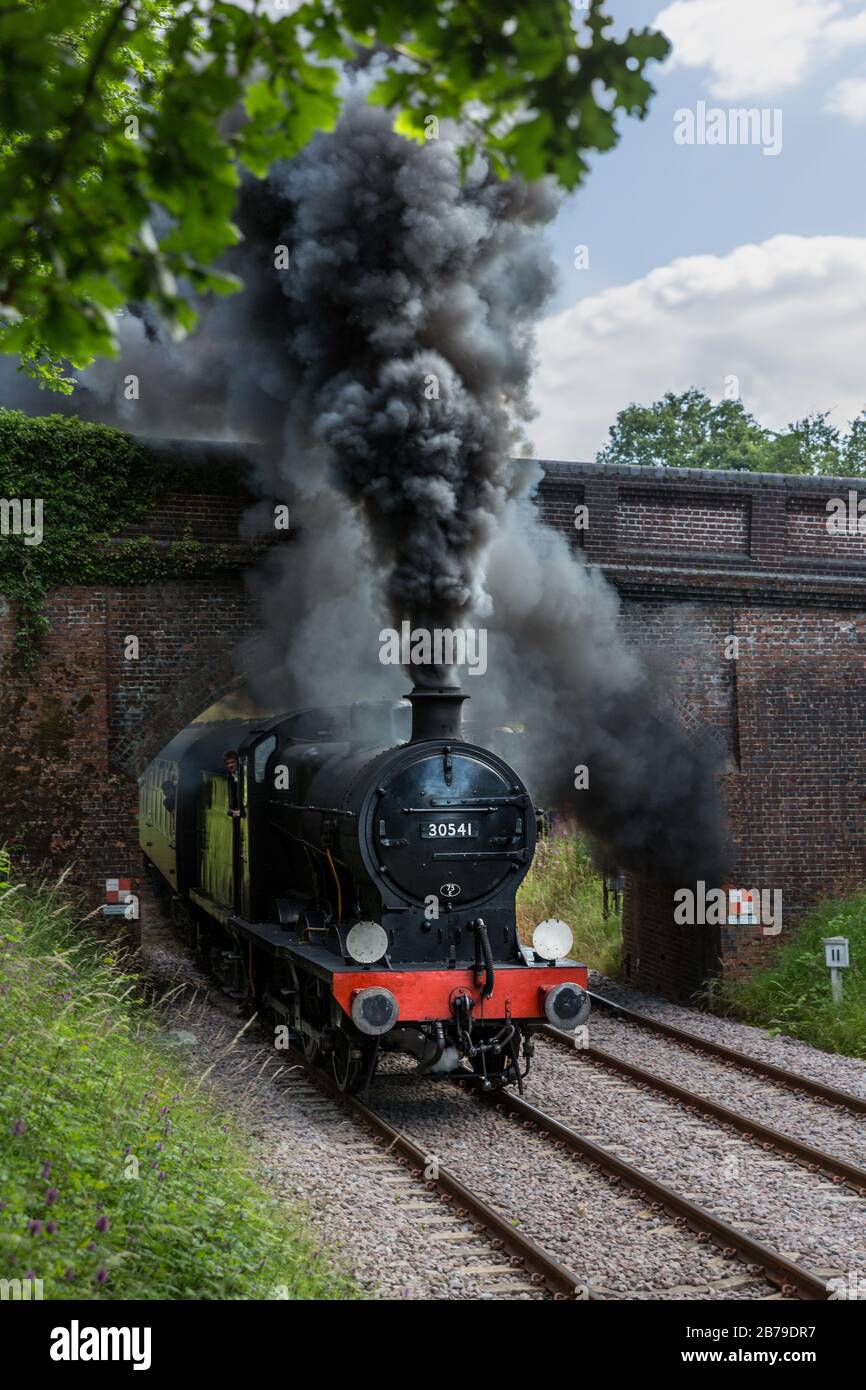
(232, 766)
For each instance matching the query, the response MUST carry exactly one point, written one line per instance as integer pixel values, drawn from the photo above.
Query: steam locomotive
(355, 878)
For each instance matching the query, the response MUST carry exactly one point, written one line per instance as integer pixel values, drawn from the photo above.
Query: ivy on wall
(93, 482)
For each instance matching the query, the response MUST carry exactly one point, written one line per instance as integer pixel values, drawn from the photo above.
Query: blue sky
(779, 318)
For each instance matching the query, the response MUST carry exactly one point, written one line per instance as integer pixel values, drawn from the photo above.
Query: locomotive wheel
(349, 1059)
(313, 1010)
(346, 1067)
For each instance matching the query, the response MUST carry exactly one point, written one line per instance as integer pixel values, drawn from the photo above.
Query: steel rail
(789, 1276)
(791, 1079)
(542, 1267)
(816, 1160)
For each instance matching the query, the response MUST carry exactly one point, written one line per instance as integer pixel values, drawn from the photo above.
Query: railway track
(455, 1221)
(791, 1278)
(815, 1159)
(541, 1267)
(529, 1267)
(800, 1085)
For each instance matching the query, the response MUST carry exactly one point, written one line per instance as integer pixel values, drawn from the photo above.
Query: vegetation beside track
(791, 994)
(119, 1176)
(563, 883)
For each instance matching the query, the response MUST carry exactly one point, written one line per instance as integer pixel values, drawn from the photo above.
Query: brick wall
(80, 728)
(188, 634)
(61, 804)
(807, 532)
(657, 956)
(672, 521)
(557, 502)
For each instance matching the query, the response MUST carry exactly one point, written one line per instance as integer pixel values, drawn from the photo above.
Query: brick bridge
(698, 557)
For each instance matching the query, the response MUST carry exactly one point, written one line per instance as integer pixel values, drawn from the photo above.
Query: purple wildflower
(102, 1223)
(46, 1169)
(102, 1275)
(34, 1227)
(51, 1196)
(18, 1127)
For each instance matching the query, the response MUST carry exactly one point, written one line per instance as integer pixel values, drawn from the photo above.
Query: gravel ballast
(804, 1216)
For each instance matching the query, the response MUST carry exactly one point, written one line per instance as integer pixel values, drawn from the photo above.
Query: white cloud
(848, 99)
(753, 47)
(758, 49)
(786, 317)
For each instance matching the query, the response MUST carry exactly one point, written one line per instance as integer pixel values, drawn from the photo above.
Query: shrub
(792, 993)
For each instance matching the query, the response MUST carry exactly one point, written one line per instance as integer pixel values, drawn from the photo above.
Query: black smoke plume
(406, 316)
(649, 793)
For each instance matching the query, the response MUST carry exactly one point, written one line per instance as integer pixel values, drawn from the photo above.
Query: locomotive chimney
(437, 712)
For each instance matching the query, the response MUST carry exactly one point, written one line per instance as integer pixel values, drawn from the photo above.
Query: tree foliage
(691, 431)
(125, 126)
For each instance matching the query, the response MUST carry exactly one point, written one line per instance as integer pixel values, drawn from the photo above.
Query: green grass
(563, 883)
(792, 993)
(119, 1175)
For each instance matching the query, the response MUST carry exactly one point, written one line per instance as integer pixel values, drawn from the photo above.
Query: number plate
(448, 829)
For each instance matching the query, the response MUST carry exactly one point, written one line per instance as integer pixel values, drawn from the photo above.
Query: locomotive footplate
(424, 993)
